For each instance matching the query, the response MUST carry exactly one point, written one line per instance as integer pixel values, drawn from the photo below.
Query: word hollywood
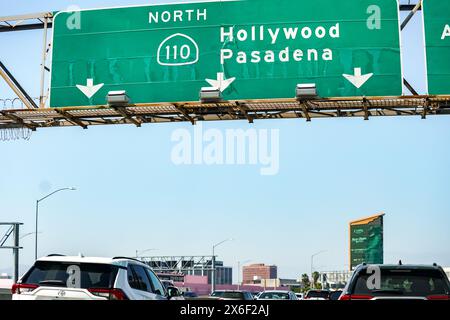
(273, 35)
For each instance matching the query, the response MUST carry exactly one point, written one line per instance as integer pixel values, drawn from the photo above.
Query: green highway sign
(366, 241)
(436, 15)
(249, 49)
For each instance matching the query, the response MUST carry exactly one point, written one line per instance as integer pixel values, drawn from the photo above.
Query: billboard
(249, 49)
(366, 241)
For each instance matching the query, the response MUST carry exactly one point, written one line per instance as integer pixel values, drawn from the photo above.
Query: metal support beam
(43, 67)
(185, 114)
(244, 111)
(366, 105)
(126, 114)
(17, 120)
(426, 106)
(16, 252)
(411, 14)
(410, 87)
(14, 229)
(26, 22)
(70, 118)
(16, 87)
(305, 111)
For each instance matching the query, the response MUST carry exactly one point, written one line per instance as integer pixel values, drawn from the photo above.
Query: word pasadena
(269, 56)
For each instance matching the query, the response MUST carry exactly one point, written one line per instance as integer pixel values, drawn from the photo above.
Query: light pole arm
(49, 195)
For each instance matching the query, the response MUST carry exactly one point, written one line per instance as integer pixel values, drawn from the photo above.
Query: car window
(132, 278)
(411, 282)
(158, 288)
(233, 295)
(91, 275)
(275, 295)
(142, 278)
(317, 294)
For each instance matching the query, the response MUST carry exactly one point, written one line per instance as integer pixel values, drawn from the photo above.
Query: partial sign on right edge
(436, 19)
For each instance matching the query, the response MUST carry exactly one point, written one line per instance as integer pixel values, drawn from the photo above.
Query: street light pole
(239, 272)
(37, 217)
(213, 262)
(143, 251)
(312, 262)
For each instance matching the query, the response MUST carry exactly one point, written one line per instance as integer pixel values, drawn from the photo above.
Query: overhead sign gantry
(344, 56)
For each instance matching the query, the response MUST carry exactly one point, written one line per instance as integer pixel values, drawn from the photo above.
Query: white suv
(57, 277)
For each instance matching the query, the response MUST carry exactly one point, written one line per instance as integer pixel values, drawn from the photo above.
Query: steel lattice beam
(365, 107)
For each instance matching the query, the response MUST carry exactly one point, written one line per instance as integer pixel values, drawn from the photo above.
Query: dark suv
(393, 282)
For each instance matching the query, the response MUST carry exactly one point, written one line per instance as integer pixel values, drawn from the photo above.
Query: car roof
(81, 259)
(273, 291)
(402, 266)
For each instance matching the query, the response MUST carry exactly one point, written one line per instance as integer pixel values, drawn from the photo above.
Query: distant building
(279, 283)
(224, 275)
(257, 273)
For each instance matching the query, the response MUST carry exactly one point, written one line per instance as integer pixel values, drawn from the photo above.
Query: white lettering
(290, 33)
(242, 35)
(226, 36)
(201, 15)
(190, 12)
(321, 32)
(274, 35)
(225, 54)
(284, 55)
(313, 55)
(270, 56)
(165, 16)
(241, 57)
(177, 16)
(256, 57)
(298, 55)
(335, 31)
(446, 32)
(306, 32)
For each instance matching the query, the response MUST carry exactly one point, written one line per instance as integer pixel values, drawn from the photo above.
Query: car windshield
(275, 295)
(228, 295)
(318, 294)
(408, 282)
(92, 275)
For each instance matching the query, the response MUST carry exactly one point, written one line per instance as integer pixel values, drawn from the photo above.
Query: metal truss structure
(34, 115)
(179, 264)
(13, 229)
(239, 110)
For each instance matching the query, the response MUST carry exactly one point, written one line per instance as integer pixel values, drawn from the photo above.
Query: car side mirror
(172, 292)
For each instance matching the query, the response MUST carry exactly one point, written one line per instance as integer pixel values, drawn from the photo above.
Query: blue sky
(130, 196)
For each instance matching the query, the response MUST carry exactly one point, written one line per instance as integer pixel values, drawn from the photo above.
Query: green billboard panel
(250, 49)
(366, 241)
(436, 15)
